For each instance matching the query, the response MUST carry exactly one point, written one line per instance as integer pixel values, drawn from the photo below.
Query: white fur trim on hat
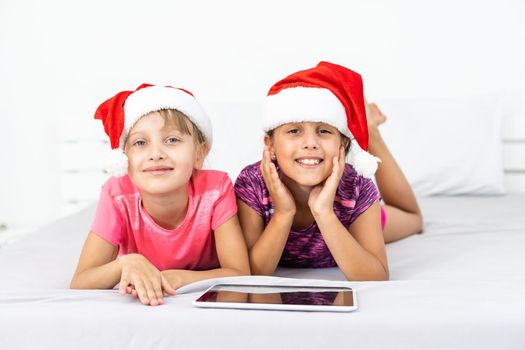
(116, 163)
(156, 98)
(309, 104)
(363, 162)
(304, 104)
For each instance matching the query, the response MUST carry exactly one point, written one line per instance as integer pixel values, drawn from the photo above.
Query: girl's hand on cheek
(321, 200)
(140, 279)
(282, 198)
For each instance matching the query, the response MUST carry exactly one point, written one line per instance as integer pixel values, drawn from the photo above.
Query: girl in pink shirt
(165, 223)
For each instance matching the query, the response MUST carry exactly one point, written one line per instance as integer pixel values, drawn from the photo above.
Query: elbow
(364, 277)
(384, 277)
(241, 271)
(258, 269)
(74, 284)
(419, 223)
(244, 271)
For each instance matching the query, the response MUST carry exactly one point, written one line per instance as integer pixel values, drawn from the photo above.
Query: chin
(308, 181)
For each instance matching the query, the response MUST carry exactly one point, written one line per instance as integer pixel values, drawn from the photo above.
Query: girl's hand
(321, 200)
(140, 276)
(283, 201)
(172, 281)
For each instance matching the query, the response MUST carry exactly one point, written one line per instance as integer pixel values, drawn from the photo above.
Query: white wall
(60, 59)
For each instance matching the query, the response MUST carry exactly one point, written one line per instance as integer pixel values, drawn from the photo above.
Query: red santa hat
(120, 113)
(327, 93)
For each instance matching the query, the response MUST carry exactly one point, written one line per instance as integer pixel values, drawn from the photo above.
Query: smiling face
(161, 157)
(304, 151)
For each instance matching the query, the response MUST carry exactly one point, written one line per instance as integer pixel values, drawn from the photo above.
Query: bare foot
(374, 116)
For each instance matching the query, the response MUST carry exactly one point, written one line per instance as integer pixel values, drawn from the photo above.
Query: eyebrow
(132, 134)
(171, 129)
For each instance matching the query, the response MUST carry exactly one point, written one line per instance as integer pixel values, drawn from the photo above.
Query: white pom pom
(363, 162)
(116, 163)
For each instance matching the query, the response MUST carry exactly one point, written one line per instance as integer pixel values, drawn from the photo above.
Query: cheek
(283, 148)
(132, 160)
(332, 146)
(184, 157)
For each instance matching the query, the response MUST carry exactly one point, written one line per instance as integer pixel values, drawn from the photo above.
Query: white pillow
(237, 135)
(447, 146)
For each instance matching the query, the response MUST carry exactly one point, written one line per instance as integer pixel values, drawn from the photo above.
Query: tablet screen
(279, 295)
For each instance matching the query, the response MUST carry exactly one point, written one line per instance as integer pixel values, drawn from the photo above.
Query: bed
(458, 285)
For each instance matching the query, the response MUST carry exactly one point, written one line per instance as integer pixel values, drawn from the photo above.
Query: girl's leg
(403, 216)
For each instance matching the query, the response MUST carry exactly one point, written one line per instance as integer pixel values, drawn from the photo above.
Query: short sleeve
(367, 195)
(225, 206)
(108, 221)
(248, 188)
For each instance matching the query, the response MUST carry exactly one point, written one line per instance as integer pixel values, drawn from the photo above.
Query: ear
(268, 142)
(201, 153)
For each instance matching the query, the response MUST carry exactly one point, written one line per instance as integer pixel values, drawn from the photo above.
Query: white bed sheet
(459, 285)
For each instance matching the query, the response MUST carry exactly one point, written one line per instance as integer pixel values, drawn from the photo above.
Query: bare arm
(360, 253)
(360, 250)
(265, 245)
(232, 254)
(97, 267)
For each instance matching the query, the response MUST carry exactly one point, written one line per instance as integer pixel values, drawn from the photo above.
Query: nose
(310, 140)
(157, 152)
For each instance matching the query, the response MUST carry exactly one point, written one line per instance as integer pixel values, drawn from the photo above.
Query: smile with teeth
(309, 161)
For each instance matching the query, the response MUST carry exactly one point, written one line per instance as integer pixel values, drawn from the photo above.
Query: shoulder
(119, 186)
(250, 173)
(352, 184)
(349, 177)
(204, 180)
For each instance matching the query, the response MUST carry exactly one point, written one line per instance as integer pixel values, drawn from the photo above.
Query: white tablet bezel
(286, 307)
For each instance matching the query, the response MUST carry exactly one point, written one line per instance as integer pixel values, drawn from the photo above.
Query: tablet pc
(302, 298)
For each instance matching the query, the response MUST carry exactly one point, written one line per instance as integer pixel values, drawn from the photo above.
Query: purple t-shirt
(306, 247)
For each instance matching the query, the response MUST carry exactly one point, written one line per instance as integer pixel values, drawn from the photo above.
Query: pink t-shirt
(121, 220)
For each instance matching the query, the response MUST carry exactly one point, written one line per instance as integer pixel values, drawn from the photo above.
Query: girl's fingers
(333, 179)
(141, 292)
(269, 172)
(151, 293)
(337, 171)
(124, 283)
(342, 160)
(264, 164)
(157, 288)
(166, 286)
(274, 175)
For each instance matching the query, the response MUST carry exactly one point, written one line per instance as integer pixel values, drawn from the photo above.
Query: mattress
(458, 285)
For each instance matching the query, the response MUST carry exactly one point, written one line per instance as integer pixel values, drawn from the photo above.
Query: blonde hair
(176, 119)
(179, 120)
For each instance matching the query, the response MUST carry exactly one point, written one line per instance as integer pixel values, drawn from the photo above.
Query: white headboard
(237, 143)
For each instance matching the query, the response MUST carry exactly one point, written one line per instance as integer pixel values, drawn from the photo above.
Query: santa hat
(327, 93)
(120, 113)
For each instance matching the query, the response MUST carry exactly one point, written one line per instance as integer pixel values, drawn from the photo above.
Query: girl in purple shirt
(302, 205)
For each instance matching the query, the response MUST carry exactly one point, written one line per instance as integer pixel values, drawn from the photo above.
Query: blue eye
(139, 143)
(325, 131)
(293, 131)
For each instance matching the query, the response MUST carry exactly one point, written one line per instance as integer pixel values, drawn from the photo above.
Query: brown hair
(345, 140)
